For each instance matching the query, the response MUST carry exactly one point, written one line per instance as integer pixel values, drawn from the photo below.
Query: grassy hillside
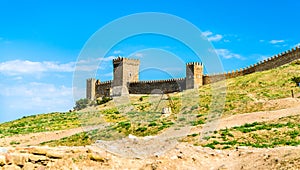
(245, 94)
(281, 132)
(40, 123)
(252, 92)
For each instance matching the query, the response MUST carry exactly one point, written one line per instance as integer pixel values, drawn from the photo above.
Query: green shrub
(14, 143)
(104, 100)
(296, 79)
(141, 129)
(81, 104)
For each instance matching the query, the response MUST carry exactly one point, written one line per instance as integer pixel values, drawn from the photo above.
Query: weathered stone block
(19, 159)
(36, 158)
(11, 167)
(55, 154)
(39, 151)
(2, 160)
(96, 158)
(29, 166)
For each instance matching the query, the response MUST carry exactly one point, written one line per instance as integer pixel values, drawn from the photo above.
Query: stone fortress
(126, 77)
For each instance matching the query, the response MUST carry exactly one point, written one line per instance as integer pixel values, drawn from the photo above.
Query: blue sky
(41, 40)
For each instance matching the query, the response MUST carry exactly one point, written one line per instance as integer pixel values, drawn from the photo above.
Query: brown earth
(183, 156)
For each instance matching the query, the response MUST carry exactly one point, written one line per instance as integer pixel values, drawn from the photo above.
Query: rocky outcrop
(183, 156)
(42, 158)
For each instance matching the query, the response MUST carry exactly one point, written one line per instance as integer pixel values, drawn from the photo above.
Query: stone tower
(125, 71)
(194, 74)
(91, 88)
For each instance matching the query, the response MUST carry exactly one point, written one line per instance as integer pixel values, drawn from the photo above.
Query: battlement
(119, 59)
(105, 82)
(158, 81)
(194, 63)
(126, 72)
(266, 64)
(156, 86)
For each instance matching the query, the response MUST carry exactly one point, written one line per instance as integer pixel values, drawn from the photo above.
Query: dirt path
(238, 120)
(37, 138)
(241, 119)
(235, 120)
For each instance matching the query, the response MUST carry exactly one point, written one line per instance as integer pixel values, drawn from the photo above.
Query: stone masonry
(126, 77)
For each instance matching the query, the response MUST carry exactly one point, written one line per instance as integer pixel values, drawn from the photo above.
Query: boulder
(19, 159)
(39, 151)
(11, 167)
(96, 158)
(2, 160)
(36, 158)
(166, 110)
(29, 166)
(55, 154)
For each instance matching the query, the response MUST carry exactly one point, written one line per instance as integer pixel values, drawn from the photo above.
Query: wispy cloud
(212, 37)
(21, 67)
(25, 67)
(225, 53)
(139, 55)
(93, 60)
(92, 64)
(117, 52)
(276, 41)
(40, 96)
(297, 45)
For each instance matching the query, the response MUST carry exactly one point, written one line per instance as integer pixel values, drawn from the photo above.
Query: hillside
(251, 93)
(258, 112)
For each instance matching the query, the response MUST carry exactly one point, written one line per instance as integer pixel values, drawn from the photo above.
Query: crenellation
(126, 74)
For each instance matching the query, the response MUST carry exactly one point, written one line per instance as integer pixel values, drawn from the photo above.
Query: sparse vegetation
(245, 94)
(103, 100)
(81, 104)
(296, 80)
(40, 123)
(284, 131)
(80, 139)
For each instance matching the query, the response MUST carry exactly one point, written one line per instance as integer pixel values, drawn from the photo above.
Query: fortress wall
(103, 88)
(175, 85)
(270, 63)
(148, 87)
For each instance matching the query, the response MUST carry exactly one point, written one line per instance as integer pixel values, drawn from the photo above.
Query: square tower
(194, 74)
(91, 88)
(125, 71)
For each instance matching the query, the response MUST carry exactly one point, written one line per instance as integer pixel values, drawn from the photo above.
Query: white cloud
(212, 37)
(216, 37)
(262, 58)
(38, 96)
(225, 53)
(207, 33)
(92, 64)
(117, 52)
(276, 41)
(107, 74)
(18, 78)
(139, 55)
(109, 58)
(297, 45)
(21, 67)
(25, 67)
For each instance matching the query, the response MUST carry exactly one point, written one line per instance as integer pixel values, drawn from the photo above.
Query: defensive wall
(157, 86)
(126, 76)
(267, 64)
